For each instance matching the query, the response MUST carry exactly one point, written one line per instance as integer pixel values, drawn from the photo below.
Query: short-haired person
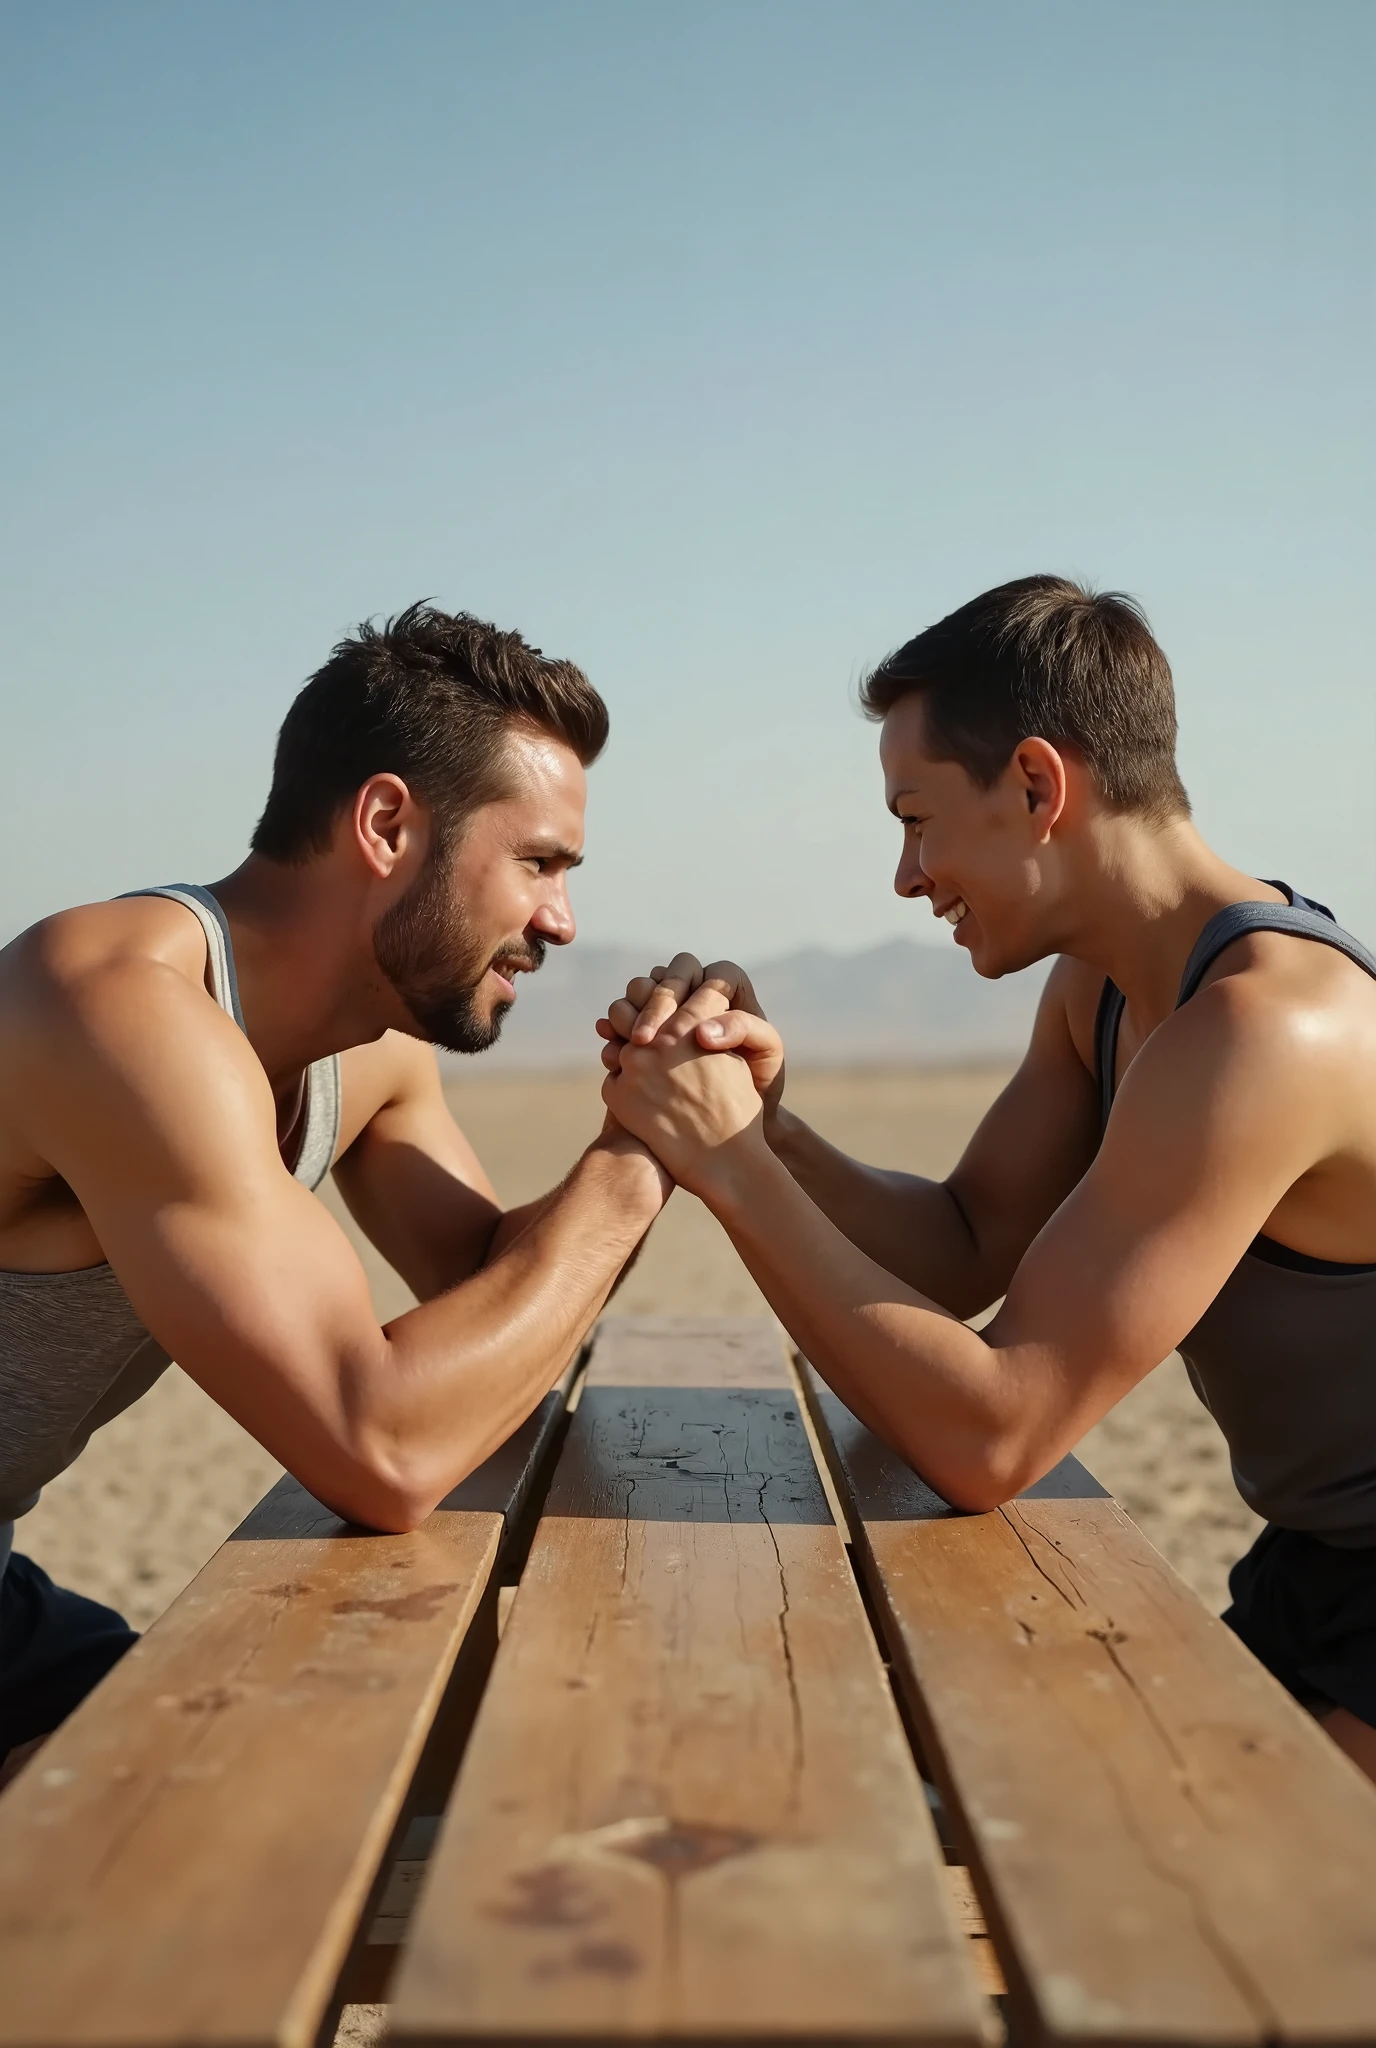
(181, 1067)
(1186, 1156)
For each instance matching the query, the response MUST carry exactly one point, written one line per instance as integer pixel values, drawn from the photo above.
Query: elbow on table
(388, 1492)
(986, 1478)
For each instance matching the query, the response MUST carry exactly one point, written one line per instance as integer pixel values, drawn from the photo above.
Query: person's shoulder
(1296, 992)
(1285, 1023)
(1071, 998)
(389, 1071)
(78, 970)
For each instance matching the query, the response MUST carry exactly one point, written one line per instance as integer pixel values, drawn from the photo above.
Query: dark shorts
(1308, 1611)
(54, 1646)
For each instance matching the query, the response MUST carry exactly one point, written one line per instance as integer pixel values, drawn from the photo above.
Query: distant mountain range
(897, 1004)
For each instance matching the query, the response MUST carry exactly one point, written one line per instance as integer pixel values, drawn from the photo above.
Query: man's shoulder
(1070, 999)
(131, 961)
(1281, 1035)
(1294, 992)
(391, 1072)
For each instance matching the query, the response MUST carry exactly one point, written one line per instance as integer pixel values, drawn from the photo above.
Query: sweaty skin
(138, 1124)
(1105, 1255)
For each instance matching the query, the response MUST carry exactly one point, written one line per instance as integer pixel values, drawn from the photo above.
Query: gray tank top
(72, 1351)
(1284, 1357)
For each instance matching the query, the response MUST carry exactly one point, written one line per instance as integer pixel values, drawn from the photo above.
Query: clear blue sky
(720, 347)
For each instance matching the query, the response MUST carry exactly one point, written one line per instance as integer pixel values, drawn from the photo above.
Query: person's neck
(308, 982)
(1144, 894)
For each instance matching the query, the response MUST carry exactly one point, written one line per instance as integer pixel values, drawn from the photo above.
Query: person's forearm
(933, 1389)
(515, 1222)
(462, 1371)
(909, 1226)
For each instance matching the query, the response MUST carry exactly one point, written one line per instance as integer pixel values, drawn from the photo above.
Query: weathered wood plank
(1168, 1848)
(687, 1810)
(187, 1859)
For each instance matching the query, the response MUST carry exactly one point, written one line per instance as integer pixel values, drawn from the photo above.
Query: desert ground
(160, 1488)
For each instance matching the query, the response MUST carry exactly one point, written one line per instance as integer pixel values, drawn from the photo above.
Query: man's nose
(911, 880)
(554, 919)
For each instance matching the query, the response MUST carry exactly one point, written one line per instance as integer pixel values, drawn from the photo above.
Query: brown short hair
(429, 696)
(1045, 658)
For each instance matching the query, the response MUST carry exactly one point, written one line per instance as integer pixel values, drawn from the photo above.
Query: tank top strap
(1106, 1022)
(1300, 917)
(320, 1137)
(320, 1122)
(224, 981)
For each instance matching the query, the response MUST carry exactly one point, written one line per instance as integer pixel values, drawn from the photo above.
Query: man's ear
(1043, 781)
(388, 826)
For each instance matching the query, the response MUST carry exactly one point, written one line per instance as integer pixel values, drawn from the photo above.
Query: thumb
(738, 1031)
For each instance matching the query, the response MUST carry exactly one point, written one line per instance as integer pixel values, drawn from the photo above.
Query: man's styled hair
(429, 696)
(1043, 658)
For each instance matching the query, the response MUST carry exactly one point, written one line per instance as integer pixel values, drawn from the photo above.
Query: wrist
(733, 1176)
(624, 1179)
(784, 1132)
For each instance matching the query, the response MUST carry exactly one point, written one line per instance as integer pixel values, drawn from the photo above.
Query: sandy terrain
(161, 1487)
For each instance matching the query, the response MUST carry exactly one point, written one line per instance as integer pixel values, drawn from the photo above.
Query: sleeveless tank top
(1284, 1357)
(73, 1354)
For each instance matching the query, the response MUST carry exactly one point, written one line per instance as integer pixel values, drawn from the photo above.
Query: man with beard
(180, 1068)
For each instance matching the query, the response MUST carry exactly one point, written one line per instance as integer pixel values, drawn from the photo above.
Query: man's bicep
(1185, 1178)
(1032, 1146)
(164, 1129)
(262, 1301)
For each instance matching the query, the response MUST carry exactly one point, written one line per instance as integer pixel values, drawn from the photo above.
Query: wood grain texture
(687, 1810)
(187, 1859)
(1168, 1849)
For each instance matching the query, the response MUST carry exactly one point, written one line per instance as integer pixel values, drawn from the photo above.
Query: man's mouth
(955, 911)
(507, 969)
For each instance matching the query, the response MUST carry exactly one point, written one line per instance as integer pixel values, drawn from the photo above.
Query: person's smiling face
(485, 910)
(979, 856)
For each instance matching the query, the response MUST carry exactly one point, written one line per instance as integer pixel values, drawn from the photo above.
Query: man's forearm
(909, 1226)
(929, 1386)
(464, 1370)
(515, 1222)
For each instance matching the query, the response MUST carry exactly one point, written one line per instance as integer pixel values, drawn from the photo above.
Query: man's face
(978, 855)
(484, 909)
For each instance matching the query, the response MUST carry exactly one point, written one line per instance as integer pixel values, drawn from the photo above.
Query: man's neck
(1143, 895)
(308, 982)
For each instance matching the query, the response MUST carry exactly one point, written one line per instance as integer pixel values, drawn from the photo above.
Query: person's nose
(554, 919)
(911, 880)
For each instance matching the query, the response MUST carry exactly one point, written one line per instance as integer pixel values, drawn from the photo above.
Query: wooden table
(693, 1716)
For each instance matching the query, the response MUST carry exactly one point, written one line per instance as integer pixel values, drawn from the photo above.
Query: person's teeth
(955, 913)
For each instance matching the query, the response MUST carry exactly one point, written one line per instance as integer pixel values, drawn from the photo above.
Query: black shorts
(1308, 1611)
(54, 1646)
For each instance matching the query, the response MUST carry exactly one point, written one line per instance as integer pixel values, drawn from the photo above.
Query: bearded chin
(425, 949)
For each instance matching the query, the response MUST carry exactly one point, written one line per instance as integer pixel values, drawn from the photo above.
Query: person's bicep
(1031, 1147)
(260, 1298)
(1187, 1175)
(410, 1179)
(164, 1128)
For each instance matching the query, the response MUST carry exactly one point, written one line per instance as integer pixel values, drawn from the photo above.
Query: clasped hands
(694, 1070)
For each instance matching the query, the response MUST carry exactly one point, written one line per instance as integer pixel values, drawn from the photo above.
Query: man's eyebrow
(552, 849)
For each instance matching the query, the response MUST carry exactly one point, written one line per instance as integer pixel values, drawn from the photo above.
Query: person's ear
(1042, 782)
(388, 826)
